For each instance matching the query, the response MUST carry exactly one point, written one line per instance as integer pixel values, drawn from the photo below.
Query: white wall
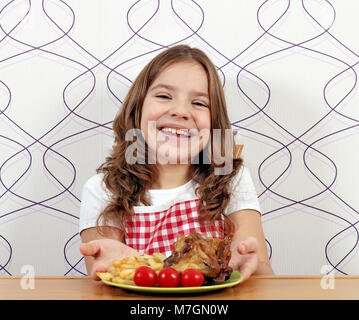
(290, 75)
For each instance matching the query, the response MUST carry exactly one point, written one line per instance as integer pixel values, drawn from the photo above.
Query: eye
(163, 96)
(200, 104)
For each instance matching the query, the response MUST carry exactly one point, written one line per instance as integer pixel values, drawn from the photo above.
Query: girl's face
(176, 119)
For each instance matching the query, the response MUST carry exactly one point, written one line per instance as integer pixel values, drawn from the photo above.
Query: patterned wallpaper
(289, 70)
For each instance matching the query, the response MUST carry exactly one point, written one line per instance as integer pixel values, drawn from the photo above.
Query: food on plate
(145, 277)
(210, 256)
(169, 278)
(195, 260)
(123, 271)
(192, 278)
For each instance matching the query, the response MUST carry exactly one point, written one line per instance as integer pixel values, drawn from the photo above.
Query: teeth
(174, 131)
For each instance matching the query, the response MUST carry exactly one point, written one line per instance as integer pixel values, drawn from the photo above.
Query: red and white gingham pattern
(157, 231)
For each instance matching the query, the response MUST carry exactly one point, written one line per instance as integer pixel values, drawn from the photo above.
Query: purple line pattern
(289, 70)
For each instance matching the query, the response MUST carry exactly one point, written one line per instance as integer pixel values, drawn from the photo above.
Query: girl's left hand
(244, 257)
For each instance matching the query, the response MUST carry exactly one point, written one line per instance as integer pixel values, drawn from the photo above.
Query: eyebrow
(172, 88)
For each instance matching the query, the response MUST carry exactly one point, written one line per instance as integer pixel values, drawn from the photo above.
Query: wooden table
(256, 288)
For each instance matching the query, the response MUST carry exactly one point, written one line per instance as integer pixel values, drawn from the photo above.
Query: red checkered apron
(151, 232)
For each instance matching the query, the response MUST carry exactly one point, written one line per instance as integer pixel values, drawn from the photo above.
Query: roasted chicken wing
(211, 256)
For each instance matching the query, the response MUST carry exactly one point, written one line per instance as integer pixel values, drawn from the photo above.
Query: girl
(171, 182)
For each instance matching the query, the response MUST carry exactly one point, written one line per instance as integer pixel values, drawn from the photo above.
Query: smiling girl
(174, 186)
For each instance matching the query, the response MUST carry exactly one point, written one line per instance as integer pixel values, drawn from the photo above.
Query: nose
(180, 110)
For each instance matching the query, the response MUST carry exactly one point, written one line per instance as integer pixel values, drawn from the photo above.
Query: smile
(176, 132)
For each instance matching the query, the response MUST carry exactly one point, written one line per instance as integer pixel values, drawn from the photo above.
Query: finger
(234, 263)
(98, 268)
(248, 245)
(245, 273)
(248, 268)
(90, 248)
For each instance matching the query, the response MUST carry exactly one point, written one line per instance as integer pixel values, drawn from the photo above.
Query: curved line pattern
(3, 265)
(53, 139)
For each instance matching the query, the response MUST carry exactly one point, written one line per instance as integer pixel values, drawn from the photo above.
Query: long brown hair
(128, 183)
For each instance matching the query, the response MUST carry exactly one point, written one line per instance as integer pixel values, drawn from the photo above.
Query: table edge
(271, 277)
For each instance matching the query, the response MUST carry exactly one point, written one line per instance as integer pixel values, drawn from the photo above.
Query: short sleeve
(243, 193)
(94, 199)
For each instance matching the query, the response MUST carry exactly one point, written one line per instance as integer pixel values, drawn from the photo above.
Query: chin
(173, 157)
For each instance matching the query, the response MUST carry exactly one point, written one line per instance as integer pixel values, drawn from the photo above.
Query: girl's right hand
(102, 252)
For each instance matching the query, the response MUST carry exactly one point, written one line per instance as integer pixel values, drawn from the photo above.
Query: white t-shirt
(95, 198)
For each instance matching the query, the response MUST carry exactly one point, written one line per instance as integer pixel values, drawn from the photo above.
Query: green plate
(233, 280)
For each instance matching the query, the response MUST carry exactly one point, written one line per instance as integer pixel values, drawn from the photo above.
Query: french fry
(105, 276)
(123, 271)
(122, 281)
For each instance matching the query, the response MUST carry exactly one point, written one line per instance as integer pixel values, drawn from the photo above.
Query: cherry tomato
(145, 277)
(169, 278)
(192, 278)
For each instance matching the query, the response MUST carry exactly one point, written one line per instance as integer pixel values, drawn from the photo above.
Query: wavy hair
(128, 183)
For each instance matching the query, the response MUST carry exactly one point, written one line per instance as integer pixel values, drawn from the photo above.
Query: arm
(249, 250)
(100, 250)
